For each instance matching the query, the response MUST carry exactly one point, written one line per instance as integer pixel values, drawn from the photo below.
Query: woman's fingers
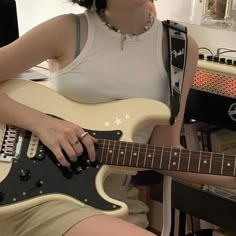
(60, 157)
(66, 140)
(88, 142)
(75, 149)
(69, 150)
(78, 148)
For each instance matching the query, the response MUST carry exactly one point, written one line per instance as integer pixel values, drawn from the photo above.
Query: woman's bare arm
(50, 40)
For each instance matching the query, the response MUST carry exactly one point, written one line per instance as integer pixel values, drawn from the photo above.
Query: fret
(235, 165)
(115, 154)
(112, 151)
(131, 154)
(180, 150)
(189, 160)
(150, 155)
(175, 159)
(184, 160)
(165, 159)
(127, 154)
(141, 155)
(145, 157)
(169, 158)
(228, 168)
(107, 150)
(216, 165)
(162, 152)
(118, 154)
(153, 156)
(136, 153)
(205, 162)
(157, 156)
(199, 161)
(222, 165)
(122, 153)
(194, 163)
(210, 164)
(101, 156)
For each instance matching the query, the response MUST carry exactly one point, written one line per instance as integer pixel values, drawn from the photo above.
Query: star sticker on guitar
(118, 121)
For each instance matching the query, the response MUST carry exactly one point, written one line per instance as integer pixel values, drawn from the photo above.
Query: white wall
(181, 10)
(33, 12)
(212, 38)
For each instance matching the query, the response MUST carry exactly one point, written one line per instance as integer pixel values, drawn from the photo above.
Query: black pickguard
(29, 178)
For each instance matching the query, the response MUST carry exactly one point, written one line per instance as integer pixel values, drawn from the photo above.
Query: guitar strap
(177, 48)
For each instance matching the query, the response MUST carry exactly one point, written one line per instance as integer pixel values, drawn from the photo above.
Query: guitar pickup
(33, 146)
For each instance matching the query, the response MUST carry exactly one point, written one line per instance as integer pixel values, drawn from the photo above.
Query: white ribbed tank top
(102, 72)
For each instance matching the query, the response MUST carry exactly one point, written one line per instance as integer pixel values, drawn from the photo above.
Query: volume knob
(24, 175)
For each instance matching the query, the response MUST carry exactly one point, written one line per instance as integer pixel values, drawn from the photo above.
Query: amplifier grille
(214, 82)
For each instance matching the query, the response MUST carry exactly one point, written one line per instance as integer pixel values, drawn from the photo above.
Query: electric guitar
(30, 174)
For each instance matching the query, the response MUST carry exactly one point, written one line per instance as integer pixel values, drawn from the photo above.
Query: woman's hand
(60, 135)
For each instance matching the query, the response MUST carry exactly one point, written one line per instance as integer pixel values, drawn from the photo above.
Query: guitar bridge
(11, 142)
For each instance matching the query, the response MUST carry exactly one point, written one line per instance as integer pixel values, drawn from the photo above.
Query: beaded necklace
(124, 36)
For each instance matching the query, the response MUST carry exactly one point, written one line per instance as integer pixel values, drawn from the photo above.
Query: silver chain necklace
(124, 36)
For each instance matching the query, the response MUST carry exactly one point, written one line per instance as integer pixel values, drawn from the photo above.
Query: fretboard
(149, 156)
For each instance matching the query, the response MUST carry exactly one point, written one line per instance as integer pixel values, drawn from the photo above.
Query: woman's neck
(127, 17)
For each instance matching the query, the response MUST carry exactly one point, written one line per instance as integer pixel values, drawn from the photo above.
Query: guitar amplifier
(212, 98)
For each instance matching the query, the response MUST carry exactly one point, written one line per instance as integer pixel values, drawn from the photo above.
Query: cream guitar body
(120, 119)
(30, 174)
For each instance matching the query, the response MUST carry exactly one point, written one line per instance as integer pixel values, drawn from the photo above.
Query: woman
(124, 37)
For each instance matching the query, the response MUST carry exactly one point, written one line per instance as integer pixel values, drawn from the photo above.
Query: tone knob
(24, 175)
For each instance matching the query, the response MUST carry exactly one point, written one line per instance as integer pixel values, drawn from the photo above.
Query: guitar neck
(147, 156)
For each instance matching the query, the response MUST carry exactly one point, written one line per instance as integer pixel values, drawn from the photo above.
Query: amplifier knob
(222, 60)
(216, 59)
(209, 58)
(201, 57)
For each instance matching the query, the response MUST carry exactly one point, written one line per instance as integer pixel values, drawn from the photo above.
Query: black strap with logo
(177, 47)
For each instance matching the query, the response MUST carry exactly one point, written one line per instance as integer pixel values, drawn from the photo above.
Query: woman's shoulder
(67, 20)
